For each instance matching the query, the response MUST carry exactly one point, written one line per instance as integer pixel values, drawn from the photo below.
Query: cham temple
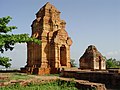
(92, 59)
(54, 51)
(53, 54)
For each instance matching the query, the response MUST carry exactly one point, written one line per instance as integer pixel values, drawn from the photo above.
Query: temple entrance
(63, 58)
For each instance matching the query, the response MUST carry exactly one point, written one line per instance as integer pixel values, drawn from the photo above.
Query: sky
(89, 22)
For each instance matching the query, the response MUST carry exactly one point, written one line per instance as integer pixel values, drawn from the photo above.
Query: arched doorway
(63, 58)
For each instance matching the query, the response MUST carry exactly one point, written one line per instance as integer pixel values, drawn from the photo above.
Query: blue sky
(89, 22)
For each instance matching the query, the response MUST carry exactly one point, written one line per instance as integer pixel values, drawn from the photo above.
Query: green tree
(7, 41)
(73, 64)
(112, 63)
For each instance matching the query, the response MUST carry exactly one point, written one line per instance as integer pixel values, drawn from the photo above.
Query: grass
(3, 80)
(19, 76)
(54, 85)
(13, 76)
(57, 85)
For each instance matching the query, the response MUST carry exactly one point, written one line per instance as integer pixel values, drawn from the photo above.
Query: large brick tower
(54, 51)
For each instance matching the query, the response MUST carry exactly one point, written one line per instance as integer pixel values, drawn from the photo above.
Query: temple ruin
(92, 59)
(54, 51)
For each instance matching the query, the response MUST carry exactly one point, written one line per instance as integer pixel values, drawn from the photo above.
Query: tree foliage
(7, 41)
(4, 61)
(112, 63)
(73, 64)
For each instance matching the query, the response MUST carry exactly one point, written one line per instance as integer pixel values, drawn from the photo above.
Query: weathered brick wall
(84, 84)
(41, 71)
(111, 80)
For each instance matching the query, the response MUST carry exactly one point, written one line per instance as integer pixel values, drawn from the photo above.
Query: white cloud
(113, 54)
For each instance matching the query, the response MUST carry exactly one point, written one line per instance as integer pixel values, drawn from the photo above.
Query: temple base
(40, 71)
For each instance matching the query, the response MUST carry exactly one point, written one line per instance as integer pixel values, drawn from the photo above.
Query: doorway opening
(63, 58)
(99, 63)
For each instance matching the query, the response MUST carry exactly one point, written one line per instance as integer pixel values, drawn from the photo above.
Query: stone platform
(111, 80)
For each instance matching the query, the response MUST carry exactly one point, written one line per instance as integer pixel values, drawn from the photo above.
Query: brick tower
(54, 51)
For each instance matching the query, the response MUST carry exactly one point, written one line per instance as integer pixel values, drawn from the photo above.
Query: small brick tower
(92, 59)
